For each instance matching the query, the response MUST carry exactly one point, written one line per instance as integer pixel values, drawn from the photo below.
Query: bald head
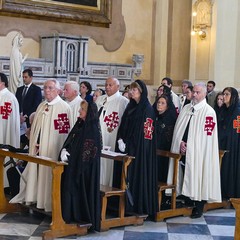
(111, 86)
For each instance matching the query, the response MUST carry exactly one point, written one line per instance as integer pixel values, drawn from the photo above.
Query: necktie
(101, 108)
(24, 92)
(185, 135)
(23, 96)
(184, 139)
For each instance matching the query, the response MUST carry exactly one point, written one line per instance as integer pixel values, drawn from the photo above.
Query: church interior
(198, 40)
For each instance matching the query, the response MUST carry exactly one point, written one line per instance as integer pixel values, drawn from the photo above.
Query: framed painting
(87, 12)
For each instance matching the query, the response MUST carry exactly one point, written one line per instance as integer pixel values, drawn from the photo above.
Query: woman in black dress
(166, 117)
(162, 89)
(137, 138)
(229, 139)
(81, 177)
(218, 104)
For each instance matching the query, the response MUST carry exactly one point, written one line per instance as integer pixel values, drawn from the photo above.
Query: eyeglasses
(226, 94)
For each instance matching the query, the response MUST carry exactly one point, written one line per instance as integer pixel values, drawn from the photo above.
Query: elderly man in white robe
(111, 107)
(71, 94)
(9, 118)
(49, 130)
(195, 137)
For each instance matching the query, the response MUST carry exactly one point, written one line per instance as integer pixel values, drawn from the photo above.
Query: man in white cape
(9, 119)
(201, 179)
(71, 94)
(111, 107)
(49, 130)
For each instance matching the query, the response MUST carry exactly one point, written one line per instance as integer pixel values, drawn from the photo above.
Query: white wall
(218, 57)
(227, 55)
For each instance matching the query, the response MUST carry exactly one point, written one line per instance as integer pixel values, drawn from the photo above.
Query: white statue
(16, 63)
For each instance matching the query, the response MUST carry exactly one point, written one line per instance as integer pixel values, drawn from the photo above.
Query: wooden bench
(236, 204)
(224, 203)
(58, 228)
(106, 192)
(173, 211)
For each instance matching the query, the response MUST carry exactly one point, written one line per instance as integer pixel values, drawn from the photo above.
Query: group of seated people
(135, 127)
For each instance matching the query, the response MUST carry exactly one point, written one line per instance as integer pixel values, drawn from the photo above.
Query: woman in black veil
(136, 137)
(80, 191)
(229, 139)
(166, 117)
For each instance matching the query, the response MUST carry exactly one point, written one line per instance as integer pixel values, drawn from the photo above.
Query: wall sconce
(201, 18)
(200, 30)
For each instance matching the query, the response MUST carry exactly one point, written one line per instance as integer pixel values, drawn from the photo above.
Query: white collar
(75, 100)
(3, 91)
(54, 101)
(113, 96)
(28, 86)
(199, 105)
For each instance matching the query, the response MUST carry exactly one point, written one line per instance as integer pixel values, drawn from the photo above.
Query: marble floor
(215, 224)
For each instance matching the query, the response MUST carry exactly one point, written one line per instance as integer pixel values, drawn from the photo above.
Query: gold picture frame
(56, 11)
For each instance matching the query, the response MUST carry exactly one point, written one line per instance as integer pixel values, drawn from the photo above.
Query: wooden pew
(224, 203)
(236, 204)
(174, 211)
(106, 192)
(58, 227)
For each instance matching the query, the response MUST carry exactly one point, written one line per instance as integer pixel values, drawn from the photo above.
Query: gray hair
(74, 85)
(186, 81)
(57, 84)
(203, 85)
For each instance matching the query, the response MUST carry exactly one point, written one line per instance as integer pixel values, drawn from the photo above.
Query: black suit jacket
(31, 101)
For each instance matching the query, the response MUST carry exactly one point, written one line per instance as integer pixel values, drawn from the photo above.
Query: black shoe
(179, 204)
(196, 213)
(188, 203)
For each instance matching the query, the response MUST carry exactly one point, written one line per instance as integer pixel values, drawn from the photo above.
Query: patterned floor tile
(197, 229)
(174, 236)
(215, 220)
(221, 230)
(213, 225)
(129, 235)
(23, 217)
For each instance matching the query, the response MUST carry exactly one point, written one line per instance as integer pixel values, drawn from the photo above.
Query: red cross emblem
(6, 110)
(236, 124)
(112, 120)
(148, 129)
(62, 123)
(209, 125)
